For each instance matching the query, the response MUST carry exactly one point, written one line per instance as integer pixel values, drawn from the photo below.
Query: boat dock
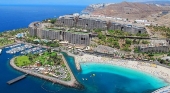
(17, 79)
(163, 90)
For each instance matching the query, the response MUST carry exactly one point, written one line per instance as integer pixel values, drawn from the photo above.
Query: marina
(12, 46)
(24, 49)
(34, 50)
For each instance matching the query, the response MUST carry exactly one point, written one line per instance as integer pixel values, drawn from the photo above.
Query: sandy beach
(156, 70)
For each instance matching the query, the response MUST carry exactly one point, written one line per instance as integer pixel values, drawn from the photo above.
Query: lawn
(22, 61)
(5, 41)
(159, 54)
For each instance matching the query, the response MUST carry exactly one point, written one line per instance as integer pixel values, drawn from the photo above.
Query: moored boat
(0, 51)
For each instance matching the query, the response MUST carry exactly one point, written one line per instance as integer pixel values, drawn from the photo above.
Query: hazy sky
(61, 2)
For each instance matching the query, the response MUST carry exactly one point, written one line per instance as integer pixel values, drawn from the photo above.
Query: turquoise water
(107, 79)
(114, 79)
(129, 79)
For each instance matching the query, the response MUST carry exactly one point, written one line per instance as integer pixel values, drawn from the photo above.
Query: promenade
(72, 83)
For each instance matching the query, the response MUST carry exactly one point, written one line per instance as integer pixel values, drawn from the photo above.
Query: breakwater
(72, 83)
(17, 79)
(76, 62)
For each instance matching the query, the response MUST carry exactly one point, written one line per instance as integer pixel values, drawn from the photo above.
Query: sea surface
(96, 78)
(20, 16)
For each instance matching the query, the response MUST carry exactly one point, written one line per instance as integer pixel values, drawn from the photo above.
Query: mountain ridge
(130, 10)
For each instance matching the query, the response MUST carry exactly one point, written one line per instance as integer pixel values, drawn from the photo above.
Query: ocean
(19, 16)
(107, 79)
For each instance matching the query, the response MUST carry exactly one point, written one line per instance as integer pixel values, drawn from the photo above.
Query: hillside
(94, 7)
(130, 10)
(161, 20)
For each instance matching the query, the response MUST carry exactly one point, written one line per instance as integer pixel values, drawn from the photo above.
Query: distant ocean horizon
(20, 16)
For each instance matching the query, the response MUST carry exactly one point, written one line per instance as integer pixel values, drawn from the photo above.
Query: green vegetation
(165, 31)
(166, 62)
(126, 47)
(128, 41)
(136, 41)
(22, 61)
(5, 41)
(49, 43)
(118, 33)
(97, 30)
(47, 58)
(145, 42)
(8, 37)
(51, 20)
(108, 41)
(136, 50)
(168, 54)
(142, 34)
(150, 55)
(11, 34)
(52, 44)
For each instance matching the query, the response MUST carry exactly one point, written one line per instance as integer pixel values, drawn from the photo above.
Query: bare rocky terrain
(161, 20)
(131, 10)
(153, 12)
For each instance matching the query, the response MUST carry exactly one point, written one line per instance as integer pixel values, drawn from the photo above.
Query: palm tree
(76, 18)
(108, 25)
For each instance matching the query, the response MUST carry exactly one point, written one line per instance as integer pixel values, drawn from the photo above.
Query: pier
(163, 90)
(17, 79)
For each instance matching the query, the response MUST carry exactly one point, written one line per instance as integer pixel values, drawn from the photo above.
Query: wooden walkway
(17, 79)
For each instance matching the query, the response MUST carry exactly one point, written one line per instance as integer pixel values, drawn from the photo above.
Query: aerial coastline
(153, 69)
(88, 38)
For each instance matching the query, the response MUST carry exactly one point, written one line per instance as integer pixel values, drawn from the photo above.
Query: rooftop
(105, 19)
(59, 29)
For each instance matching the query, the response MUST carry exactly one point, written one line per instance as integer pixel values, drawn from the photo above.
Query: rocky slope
(130, 10)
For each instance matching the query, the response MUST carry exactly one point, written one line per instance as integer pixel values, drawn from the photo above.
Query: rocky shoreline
(72, 84)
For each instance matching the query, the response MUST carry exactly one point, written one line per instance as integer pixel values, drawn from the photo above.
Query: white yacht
(0, 51)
